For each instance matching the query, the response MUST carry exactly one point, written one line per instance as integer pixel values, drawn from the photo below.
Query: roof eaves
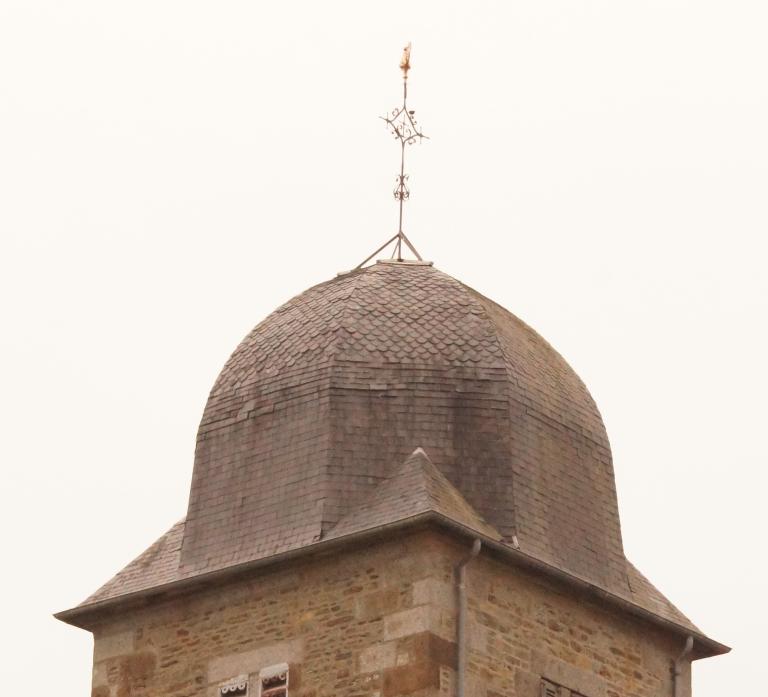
(87, 616)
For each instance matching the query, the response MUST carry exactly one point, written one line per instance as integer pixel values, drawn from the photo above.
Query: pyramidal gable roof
(416, 487)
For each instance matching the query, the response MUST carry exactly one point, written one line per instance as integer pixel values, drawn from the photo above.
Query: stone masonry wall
(523, 628)
(380, 622)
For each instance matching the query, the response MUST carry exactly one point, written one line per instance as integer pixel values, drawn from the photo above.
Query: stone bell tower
(399, 489)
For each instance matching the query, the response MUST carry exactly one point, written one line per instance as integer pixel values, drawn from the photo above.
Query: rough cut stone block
(377, 657)
(111, 645)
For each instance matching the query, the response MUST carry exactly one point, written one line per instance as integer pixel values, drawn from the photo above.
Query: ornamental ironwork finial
(402, 124)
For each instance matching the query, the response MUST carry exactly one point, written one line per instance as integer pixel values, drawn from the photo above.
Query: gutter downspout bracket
(677, 668)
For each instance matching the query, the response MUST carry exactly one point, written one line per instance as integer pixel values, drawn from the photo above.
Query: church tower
(399, 488)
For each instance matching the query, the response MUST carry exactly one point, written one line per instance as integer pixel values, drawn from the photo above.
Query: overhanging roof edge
(86, 616)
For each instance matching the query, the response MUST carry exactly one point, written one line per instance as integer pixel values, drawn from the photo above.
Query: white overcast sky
(170, 172)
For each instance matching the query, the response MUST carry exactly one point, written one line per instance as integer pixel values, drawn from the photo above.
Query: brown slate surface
(156, 566)
(645, 594)
(320, 401)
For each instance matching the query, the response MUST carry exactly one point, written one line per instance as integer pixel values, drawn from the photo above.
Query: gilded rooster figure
(405, 61)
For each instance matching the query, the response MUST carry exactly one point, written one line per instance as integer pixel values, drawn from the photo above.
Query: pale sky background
(171, 172)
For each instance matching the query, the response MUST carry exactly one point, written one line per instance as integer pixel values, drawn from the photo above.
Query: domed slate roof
(333, 391)
(377, 397)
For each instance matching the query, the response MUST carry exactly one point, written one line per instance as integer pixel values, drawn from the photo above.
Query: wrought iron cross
(402, 123)
(403, 126)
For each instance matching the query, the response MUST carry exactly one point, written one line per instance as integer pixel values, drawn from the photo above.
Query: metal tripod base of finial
(397, 252)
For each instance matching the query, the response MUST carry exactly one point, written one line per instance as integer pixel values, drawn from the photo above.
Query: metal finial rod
(405, 66)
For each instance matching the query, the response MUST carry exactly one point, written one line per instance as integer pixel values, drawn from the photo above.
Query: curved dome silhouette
(390, 397)
(327, 397)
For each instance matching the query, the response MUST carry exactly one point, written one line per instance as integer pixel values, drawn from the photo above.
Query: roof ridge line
(420, 497)
(333, 361)
(470, 293)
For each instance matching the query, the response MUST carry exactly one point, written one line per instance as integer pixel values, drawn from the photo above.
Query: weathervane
(402, 123)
